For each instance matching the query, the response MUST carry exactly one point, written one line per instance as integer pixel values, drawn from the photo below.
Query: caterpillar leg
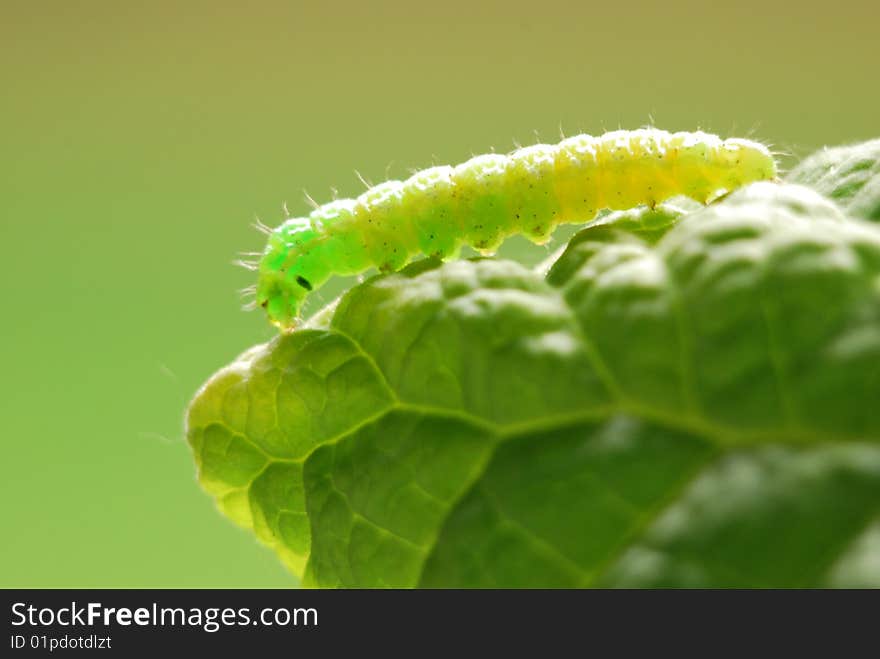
(540, 233)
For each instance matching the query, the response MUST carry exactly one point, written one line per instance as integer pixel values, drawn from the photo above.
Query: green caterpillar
(493, 196)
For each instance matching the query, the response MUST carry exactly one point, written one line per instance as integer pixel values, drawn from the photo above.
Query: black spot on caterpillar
(490, 197)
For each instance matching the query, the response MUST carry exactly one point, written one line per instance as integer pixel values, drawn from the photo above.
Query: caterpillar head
(280, 300)
(286, 273)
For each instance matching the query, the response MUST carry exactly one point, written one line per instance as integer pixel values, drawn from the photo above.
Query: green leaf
(687, 399)
(850, 175)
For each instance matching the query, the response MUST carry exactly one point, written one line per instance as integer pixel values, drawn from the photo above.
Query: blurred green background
(140, 140)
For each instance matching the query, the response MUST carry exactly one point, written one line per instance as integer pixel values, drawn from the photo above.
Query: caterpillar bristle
(781, 152)
(248, 290)
(284, 209)
(247, 265)
(388, 170)
(249, 306)
(311, 202)
(262, 228)
(366, 182)
(334, 193)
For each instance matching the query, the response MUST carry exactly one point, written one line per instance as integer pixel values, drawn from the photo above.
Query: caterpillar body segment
(490, 197)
